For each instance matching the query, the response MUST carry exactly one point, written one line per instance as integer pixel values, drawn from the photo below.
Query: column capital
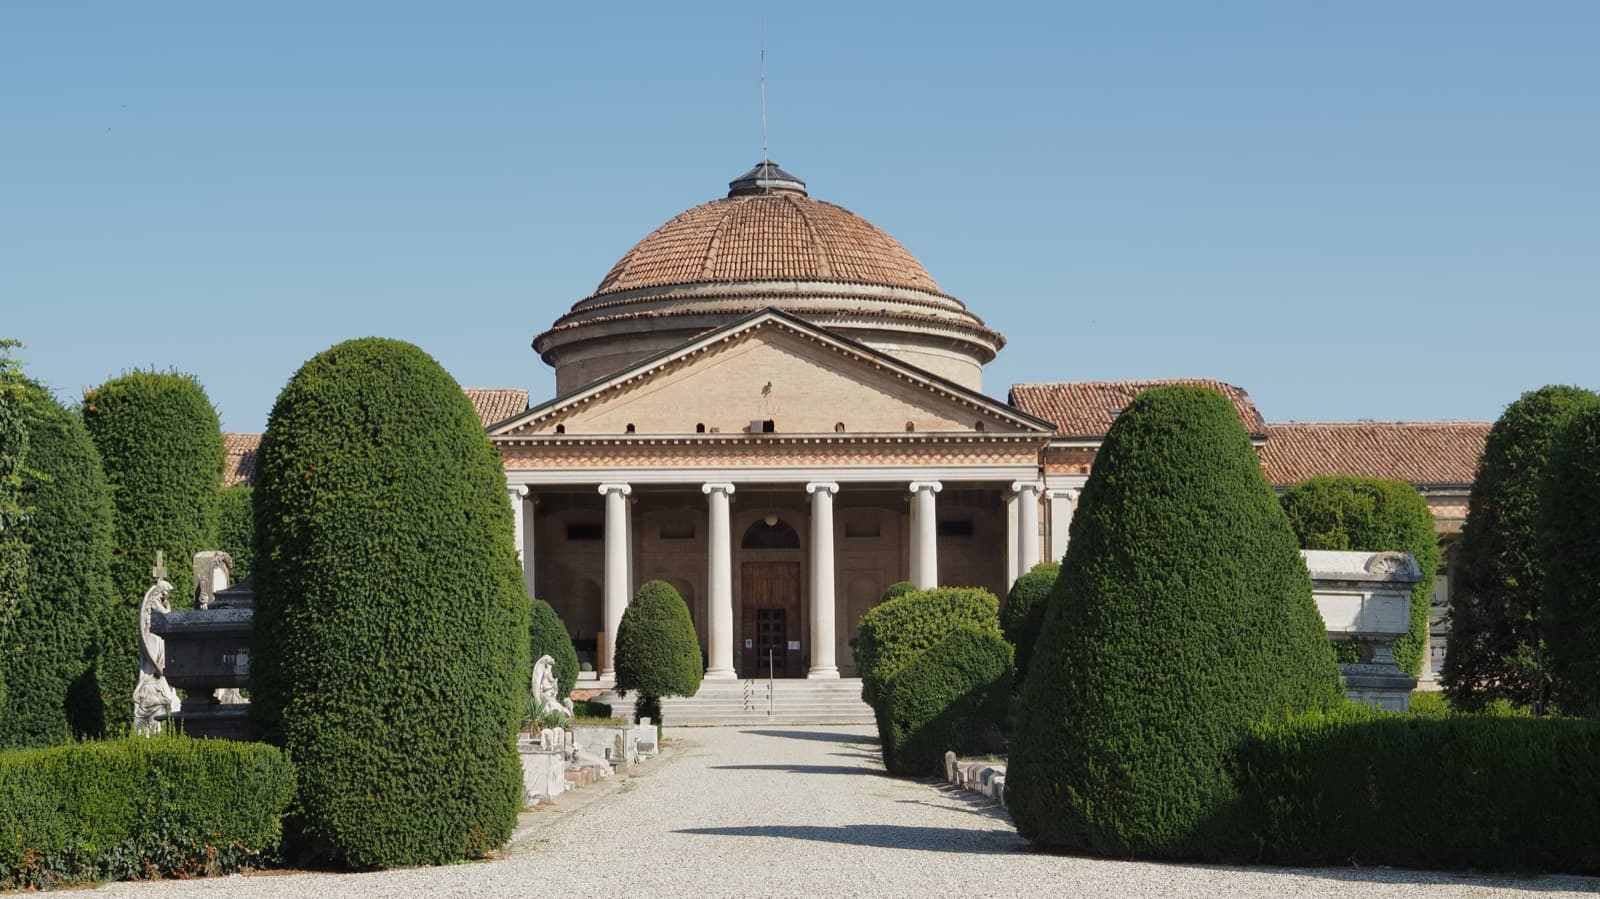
(724, 488)
(1070, 494)
(828, 487)
(920, 486)
(520, 491)
(623, 489)
(1019, 486)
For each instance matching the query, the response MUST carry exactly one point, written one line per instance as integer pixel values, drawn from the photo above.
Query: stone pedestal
(1366, 597)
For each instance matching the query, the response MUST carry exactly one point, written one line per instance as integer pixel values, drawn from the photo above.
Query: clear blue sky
(1353, 210)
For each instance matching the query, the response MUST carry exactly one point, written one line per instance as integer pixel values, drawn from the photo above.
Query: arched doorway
(769, 600)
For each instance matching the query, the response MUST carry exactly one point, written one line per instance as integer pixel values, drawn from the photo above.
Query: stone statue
(212, 572)
(153, 697)
(545, 688)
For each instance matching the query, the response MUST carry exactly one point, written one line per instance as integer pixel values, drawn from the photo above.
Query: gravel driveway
(808, 812)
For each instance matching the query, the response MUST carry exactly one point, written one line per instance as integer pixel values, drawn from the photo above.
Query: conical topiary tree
(1495, 649)
(391, 638)
(1569, 530)
(658, 654)
(1023, 612)
(67, 600)
(1182, 615)
(13, 461)
(547, 636)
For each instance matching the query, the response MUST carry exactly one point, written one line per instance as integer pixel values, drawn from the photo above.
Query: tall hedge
(1372, 515)
(547, 636)
(1183, 614)
(391, 652)
(894, 632)
(952, 697)
(13, 461)
(1023, 612)
(236, 528)
(67, 602)
(161, 446)
(1570, 545)
(658, 653)
(1495, 649)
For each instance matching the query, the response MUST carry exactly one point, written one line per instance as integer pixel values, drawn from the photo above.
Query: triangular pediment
(773, 368)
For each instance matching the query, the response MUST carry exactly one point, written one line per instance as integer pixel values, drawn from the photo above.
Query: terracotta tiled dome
(767, 244)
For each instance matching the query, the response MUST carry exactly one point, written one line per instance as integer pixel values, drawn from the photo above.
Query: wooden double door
(770, 612)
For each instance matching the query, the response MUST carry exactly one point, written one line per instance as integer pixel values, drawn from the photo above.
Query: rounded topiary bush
(1372, 515)
(1183, 614)
(896, 631)
(952, 697)
(1023, 612)
(67, 600)
(1570, 544)
(1495, 647)
(391, 640)
(898, 588)
(547, 636)
(658, 653)
(236, 528)
(161, 446)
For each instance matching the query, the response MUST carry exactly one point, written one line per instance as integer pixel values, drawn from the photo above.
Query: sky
(1357, 210)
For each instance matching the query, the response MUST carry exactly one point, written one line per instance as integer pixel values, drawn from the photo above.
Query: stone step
(757, 702)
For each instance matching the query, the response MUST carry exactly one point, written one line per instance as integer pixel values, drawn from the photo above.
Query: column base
(829, 673)
(719, 674)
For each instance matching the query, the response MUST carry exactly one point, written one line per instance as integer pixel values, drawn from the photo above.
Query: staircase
(787, 701)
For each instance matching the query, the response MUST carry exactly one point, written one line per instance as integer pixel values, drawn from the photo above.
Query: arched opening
(770, 599)
(776, 535)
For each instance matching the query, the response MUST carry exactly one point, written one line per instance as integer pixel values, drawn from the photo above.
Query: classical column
(530, 539)
(925, 540)
(1027, 525)
(1061, 504)
(516, 493)
(1011, 538)
(616, 581)
(719, 585)
(823, 638)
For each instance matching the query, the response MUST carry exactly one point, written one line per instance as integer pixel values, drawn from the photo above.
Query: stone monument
(1366, 597)
(153, 698)
(546, 688)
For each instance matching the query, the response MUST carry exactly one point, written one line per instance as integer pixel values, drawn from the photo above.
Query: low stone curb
(983, 776)
(541, 818)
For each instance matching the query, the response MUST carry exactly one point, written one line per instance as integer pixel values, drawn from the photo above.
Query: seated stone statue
(546, 690)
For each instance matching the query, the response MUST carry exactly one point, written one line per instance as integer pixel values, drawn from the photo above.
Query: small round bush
(1183, 614)
(1570, 541)
(390, 652)
(658, 654)
(952, 697)
(898, 588)
(1496, 644)
(1023, 612)
(896, 631)
(236, 528)
(1372, 515)
(547, 636)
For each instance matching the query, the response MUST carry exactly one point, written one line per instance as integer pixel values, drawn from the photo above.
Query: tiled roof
(493, 404)
(1425, 452)
(1087, 408)
(776, 236)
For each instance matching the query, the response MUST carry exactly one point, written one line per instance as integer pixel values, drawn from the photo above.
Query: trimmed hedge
(161, 446)
(547, 636)
(67, 603)
(658, 653)
(1372, 515)
(138, 807)
(236, 528)
(13, 459)
(1361, 787)
(954, 696)
(1182, 615)
(1496, 645)
(1570, 544)
(1022, 615)
(894, 632)
(390, 652)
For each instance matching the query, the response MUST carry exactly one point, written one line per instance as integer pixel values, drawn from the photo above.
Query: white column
(530, 535)
(616, 581)
(516, 493)
(1011, 538)
(627, 530)
(1061, 504)
(1027, 525)
(823, 638)
(925, 541)
(719, 585)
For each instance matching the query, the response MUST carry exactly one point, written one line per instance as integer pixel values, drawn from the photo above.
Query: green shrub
(1023, 612)
(1372, 515)
(67, 602)
(390, 650)
(658, 653)
(1361, 787)
(898, 588)
(138, 807)
(13, 462)
(896, 631)
(952, 697)
(161, 447)
(236, 528)
(1183, 613)
(1495, 649)
(547, 636)
(1570, 542)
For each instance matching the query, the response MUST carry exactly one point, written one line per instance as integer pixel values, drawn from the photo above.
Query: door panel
(770, 615)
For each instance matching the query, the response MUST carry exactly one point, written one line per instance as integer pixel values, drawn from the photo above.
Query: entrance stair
(777, 701)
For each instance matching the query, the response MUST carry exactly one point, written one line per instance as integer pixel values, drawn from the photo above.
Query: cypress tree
(1495, 649)
(13, 459)
(658, 653)
(1182, 615)
(391, 642)
(1570, 546)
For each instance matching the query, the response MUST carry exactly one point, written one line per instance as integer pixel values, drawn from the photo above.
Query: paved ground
(808, 812)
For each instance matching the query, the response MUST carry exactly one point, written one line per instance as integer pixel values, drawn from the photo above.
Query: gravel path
(809, 812)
